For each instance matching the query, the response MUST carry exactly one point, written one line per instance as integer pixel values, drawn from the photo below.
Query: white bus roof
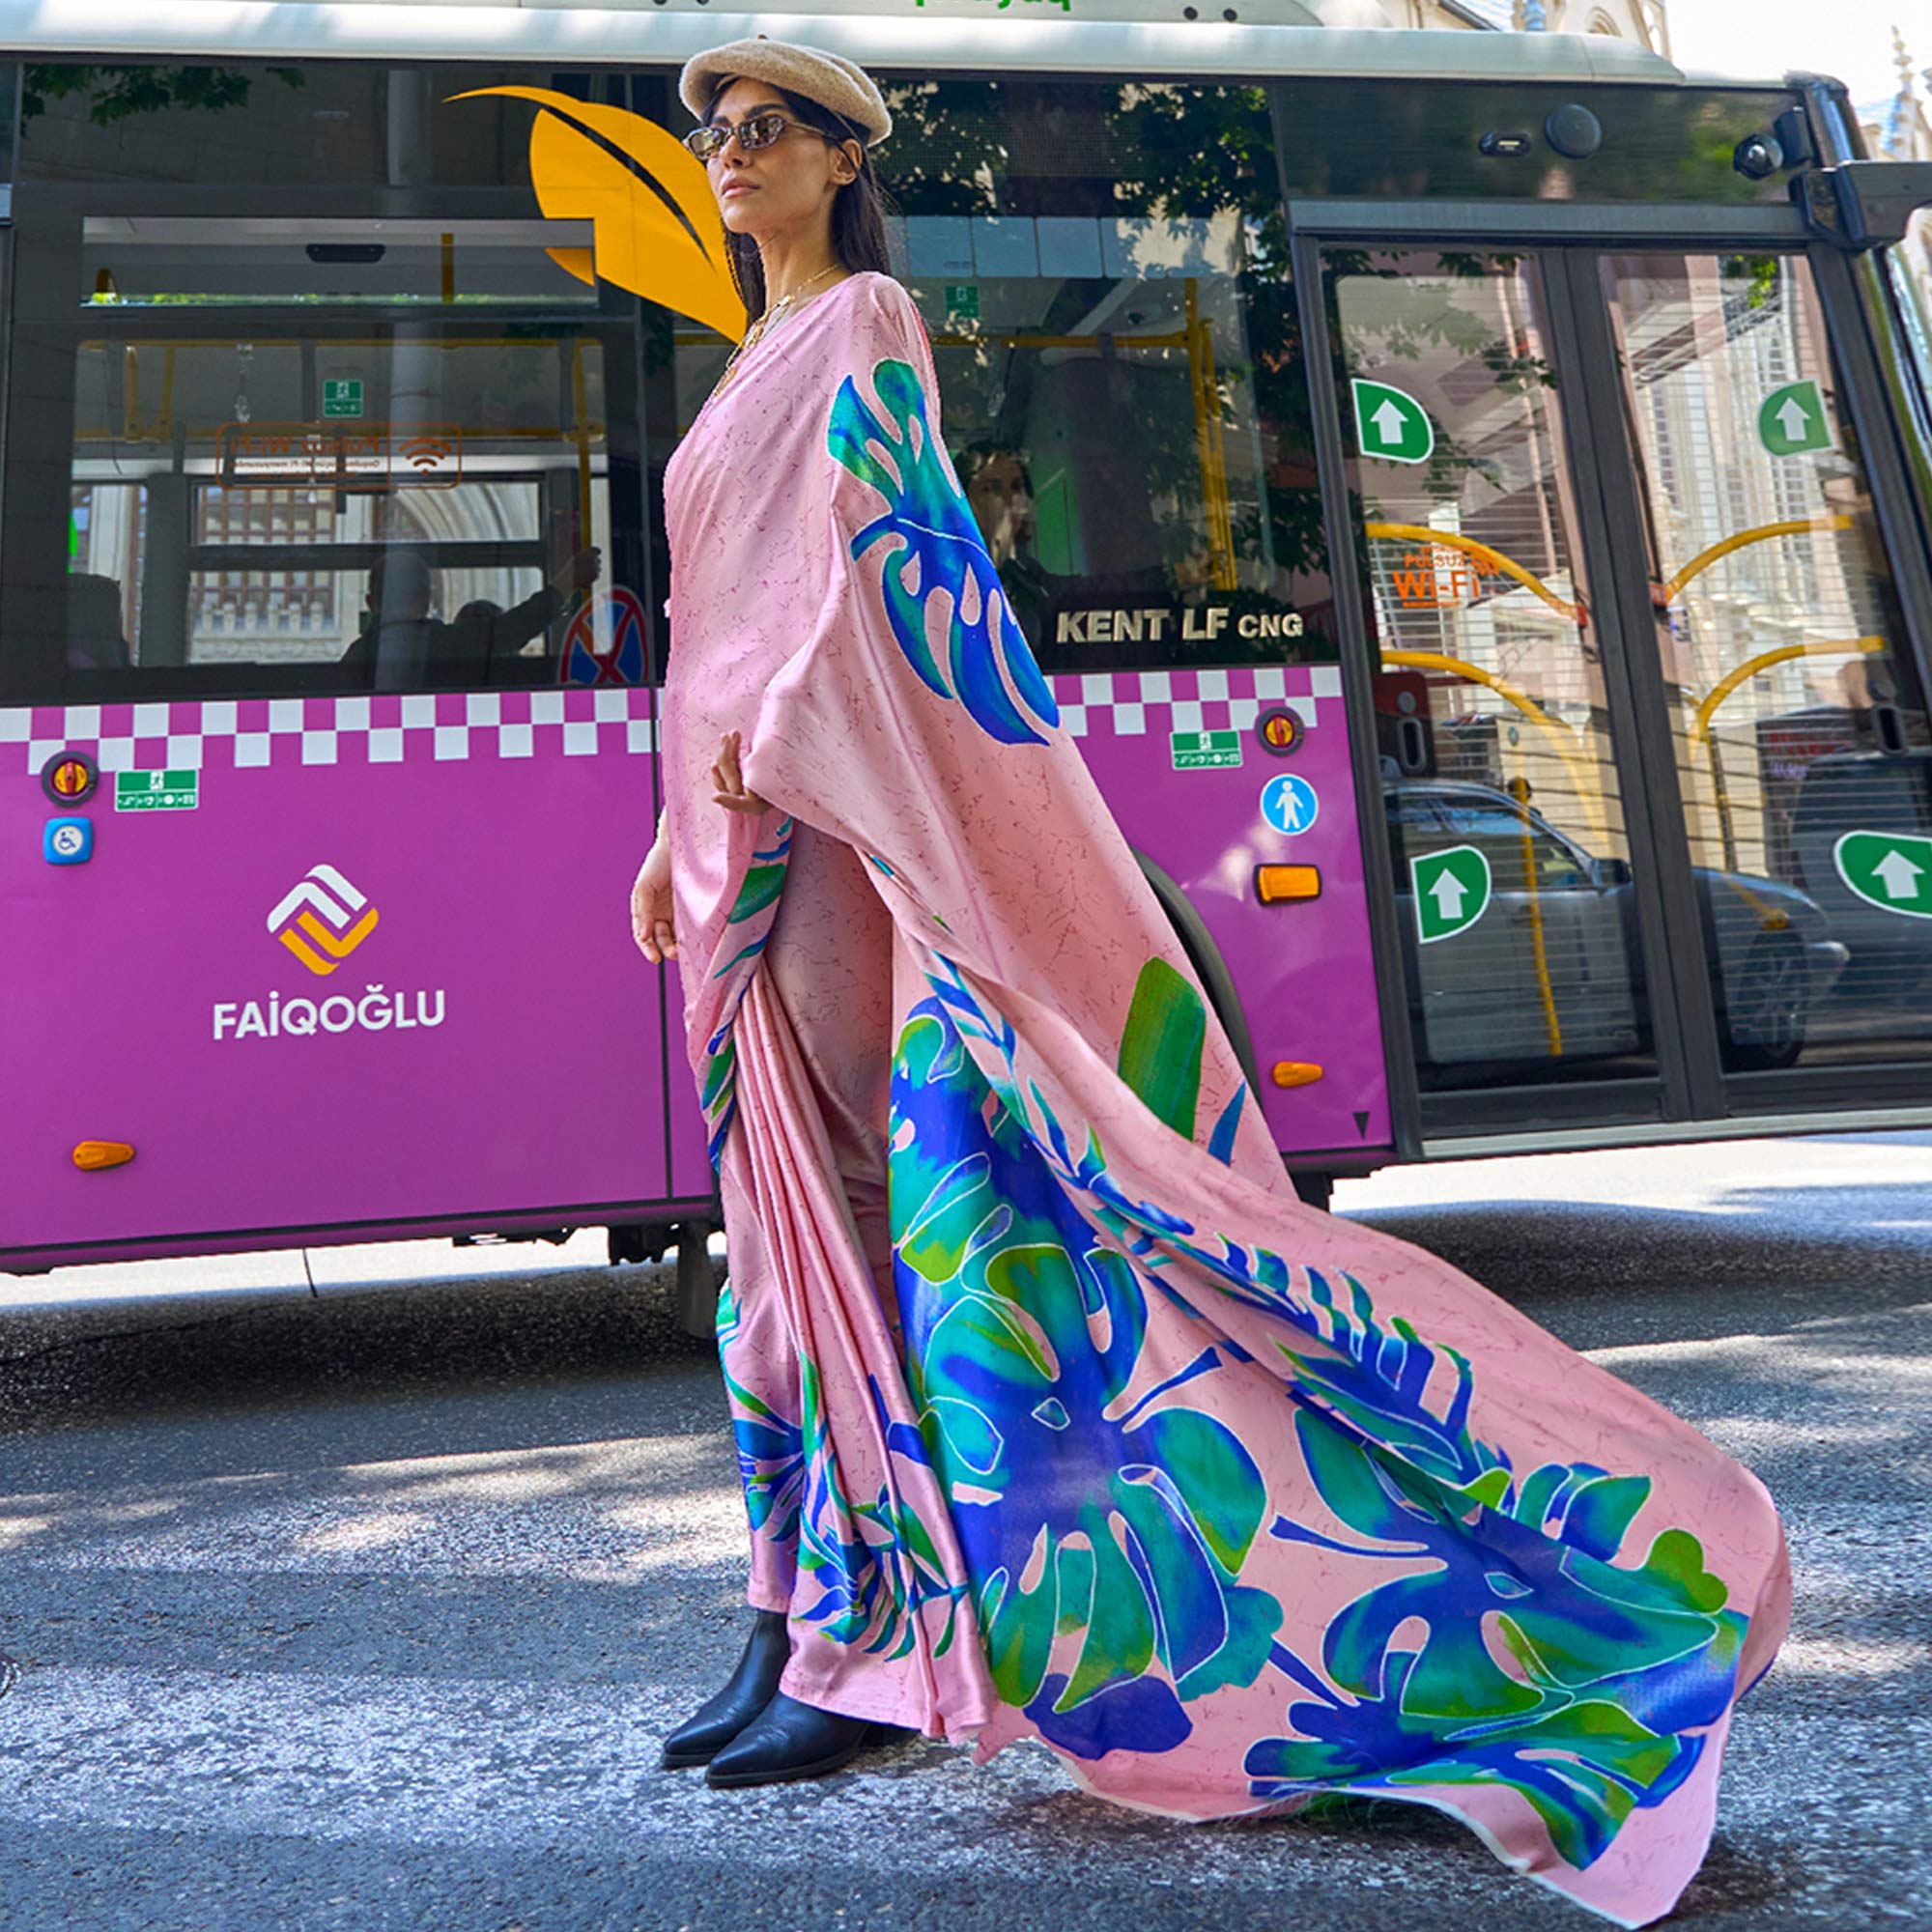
(1145, 37)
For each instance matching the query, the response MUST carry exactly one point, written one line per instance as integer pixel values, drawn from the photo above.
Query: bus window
(1108, 301)
(1799, 728)
(1525, 969)
(382, 507)
(257, 395)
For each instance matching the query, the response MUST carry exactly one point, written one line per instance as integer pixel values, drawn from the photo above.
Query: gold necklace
(771, 315)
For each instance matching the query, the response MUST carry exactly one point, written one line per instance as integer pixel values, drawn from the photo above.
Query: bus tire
(1314, 1188)
(697, 1284)
(631, 1242)
(1205, 956)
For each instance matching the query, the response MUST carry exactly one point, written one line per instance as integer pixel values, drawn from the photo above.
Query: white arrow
(1448, 893)
(1898, 875)
(1390, 423)
(1795, 417)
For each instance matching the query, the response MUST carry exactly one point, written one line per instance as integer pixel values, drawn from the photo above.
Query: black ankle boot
(790, 1739)
(747, 1692)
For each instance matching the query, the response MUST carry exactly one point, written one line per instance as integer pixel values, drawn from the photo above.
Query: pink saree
(1058, 1415)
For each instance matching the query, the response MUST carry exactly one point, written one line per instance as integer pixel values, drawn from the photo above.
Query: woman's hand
(730, 790)
(650, 906)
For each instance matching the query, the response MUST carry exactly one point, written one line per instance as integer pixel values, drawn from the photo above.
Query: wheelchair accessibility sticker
(1288, 803)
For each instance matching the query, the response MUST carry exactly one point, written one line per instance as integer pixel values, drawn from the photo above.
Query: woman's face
(790, 183)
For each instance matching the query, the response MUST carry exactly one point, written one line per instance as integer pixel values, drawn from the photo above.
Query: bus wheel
(633, 1241)
(1765, 1016)
(1315, 1189)
(697, 1284)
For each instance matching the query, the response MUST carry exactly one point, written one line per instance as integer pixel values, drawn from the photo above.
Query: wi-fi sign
(433, 452)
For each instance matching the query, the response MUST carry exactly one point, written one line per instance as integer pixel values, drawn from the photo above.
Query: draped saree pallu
(1058, 1415)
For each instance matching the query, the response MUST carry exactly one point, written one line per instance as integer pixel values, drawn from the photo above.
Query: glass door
(1504, 766)
(1654, 753)
(1797, 721)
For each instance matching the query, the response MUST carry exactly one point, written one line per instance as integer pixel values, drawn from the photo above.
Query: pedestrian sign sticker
(1891, 870)
(1198, 751)
(1452, 891)
(342, 396)
(1391, 425)
(1288, 803)
(157, 791)
(1791, 420)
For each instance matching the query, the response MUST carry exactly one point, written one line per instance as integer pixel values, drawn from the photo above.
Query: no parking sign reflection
(605, 643)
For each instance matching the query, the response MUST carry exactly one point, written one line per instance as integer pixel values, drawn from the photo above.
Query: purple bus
(1470, 494)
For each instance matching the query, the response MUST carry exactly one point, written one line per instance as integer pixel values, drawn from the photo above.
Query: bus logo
(318, 921)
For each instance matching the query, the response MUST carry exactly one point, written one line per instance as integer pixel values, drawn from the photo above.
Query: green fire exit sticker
(1198, 751)
(342, 396)
(1452, 891)
(1891, 870)
(1390, 424)
(157, 791)
(962, 298)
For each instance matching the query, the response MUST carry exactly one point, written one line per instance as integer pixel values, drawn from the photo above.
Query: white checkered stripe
(242, 733)
(1136, 703)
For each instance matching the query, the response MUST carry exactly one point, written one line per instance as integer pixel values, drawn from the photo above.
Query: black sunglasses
(754, 131)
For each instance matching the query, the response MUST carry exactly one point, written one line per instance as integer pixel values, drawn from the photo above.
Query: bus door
(1654, 750)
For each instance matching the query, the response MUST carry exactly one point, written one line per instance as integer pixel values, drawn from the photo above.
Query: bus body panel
(1304, 967)
(380, 970)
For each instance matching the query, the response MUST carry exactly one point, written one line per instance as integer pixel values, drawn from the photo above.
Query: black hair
(974, 457)
(858, 211)
(404, 573)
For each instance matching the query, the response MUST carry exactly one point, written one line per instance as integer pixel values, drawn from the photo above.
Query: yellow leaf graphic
(638, 242)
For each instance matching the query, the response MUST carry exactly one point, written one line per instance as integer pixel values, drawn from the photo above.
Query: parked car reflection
(1550, 969)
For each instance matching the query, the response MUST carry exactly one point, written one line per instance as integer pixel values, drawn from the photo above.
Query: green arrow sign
(1791, 420)
(1391, 425)
(1891, 869)
(1452, 891)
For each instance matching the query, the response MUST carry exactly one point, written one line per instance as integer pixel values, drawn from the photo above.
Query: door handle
(1888, 727)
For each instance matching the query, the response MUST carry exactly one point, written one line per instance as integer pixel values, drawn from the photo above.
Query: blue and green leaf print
(1512, 1641)
(1615, 1671)
(1161, 1044)
(875, 1565)
(753, 915)
(1081, 1507)
(938, 547)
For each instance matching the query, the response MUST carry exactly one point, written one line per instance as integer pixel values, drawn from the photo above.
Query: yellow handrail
(1705, 558)
(1209, 448)
(1701, 724)
(1559, 737)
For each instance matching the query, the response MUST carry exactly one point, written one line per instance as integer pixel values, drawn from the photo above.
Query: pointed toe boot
(790, 1739)
(747, 1692)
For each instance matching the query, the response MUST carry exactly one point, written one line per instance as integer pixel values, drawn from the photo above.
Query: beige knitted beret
(830, 80)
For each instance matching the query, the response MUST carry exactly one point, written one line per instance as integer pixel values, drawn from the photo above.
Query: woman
(1058, 1415)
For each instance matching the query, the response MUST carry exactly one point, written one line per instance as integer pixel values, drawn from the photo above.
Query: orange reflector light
(1295, 1073)
(91, 1154)
(1275, 883)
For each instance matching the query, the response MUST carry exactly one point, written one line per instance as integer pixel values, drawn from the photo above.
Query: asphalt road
(364, 1605)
